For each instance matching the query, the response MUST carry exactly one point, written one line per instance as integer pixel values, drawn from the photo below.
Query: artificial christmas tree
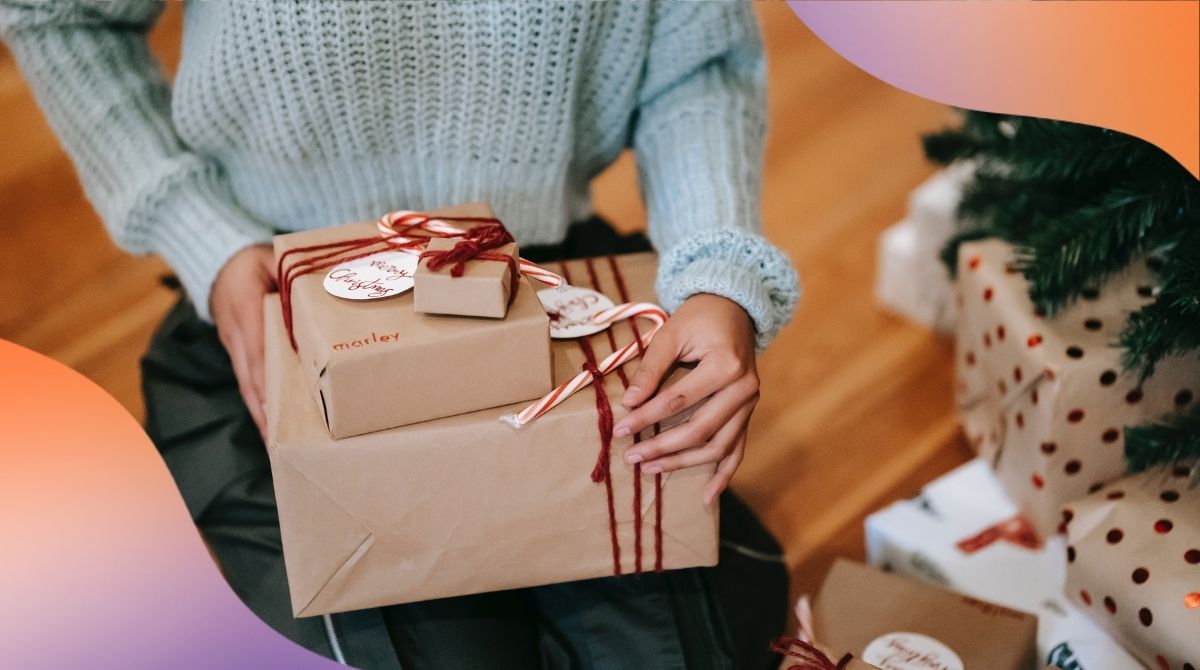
(1080, 204)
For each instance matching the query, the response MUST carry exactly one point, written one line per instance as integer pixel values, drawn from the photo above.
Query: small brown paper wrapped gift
(892, 621)
(483, 288)
(1134, 564)
(467, 504)
(1044, 400)
(378, 364)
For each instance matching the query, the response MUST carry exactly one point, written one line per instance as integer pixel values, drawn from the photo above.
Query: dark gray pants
(702, 618)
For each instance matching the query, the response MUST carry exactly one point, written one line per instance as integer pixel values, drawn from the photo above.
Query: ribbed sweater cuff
(735, 264)
(193, 223)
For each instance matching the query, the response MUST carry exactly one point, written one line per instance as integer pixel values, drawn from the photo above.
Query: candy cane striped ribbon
(616, 359)
(391, 224)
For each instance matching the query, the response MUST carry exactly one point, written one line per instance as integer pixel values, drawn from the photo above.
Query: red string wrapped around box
(408, 231)
(593, 373)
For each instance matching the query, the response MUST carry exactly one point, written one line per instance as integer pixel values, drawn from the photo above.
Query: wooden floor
(856, 408)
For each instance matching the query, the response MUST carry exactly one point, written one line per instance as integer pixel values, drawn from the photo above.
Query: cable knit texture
(297, 115)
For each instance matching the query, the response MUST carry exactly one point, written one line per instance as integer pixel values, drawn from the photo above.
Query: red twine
(477, 244)
(808, 657)
(1016, 530)
(637, 470)
(602, 470)
(354, 249)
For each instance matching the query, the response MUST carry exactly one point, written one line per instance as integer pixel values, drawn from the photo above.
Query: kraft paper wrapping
(378, 364)
(1134, 564)
(467, 504)
(482, 290)
(857, 605)
(1044, 400)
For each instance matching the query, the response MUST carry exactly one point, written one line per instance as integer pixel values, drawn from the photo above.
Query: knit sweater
(294, 115)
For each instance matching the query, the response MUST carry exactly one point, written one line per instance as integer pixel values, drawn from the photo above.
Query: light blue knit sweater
(295, 115)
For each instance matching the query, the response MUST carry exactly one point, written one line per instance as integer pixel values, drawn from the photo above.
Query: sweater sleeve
(91, 70)
(699, 137)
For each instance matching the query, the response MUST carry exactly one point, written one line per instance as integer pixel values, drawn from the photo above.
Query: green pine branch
(1171, 324)
(1170, 439)
(1078, 204)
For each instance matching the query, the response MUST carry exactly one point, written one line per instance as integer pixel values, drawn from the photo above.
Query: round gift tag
(910, 651)
(382, 275)
(571, 309)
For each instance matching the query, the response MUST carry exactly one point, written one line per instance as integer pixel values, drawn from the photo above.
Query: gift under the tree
(897, 623)
(964, 533)
(468, 504)
(481, 286)
(1045, 400)
(372, 361)
(1134, 563)
(909, 279)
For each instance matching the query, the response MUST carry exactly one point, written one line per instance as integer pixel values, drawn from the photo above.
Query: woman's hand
(236, 303)
(716, 333)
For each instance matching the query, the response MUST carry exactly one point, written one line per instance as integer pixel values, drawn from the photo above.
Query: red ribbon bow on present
(808, 657)
(477, 243)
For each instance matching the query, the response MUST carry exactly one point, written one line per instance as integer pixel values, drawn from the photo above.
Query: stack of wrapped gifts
(439, 422)
(1045, 401)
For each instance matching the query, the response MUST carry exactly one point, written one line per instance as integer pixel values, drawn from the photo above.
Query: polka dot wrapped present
(1133, 552)
(1045, 399)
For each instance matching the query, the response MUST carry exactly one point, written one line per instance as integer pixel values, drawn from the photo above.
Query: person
(294, 115)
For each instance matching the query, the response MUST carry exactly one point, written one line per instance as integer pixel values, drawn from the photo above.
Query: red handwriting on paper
(353, 283)
(574, 311)
(374, 338)
(901, 654)
(392, 270)
(375, 286)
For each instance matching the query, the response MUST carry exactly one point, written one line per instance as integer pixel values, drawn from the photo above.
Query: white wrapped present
(910, 278)
(964, 533)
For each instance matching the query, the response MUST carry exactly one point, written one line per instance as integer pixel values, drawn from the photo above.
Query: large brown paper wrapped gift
(1044, 399)
(884, 619)
(377, 364)
(467, 504)
(1134, 564)
(482, 290)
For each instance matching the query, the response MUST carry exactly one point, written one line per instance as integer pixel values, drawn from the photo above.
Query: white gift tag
(571, 309)
(910, 651)
(382, 275)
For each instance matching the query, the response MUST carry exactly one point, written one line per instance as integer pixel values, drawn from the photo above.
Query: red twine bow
(1016, 531)
(808, 657)
(477, 244)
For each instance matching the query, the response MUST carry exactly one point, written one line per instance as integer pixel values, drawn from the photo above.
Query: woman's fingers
(236, 346)
(699, 429)
(725, 469)
(252, 338)
(651, 370)
(708, 378)
(713, 450)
